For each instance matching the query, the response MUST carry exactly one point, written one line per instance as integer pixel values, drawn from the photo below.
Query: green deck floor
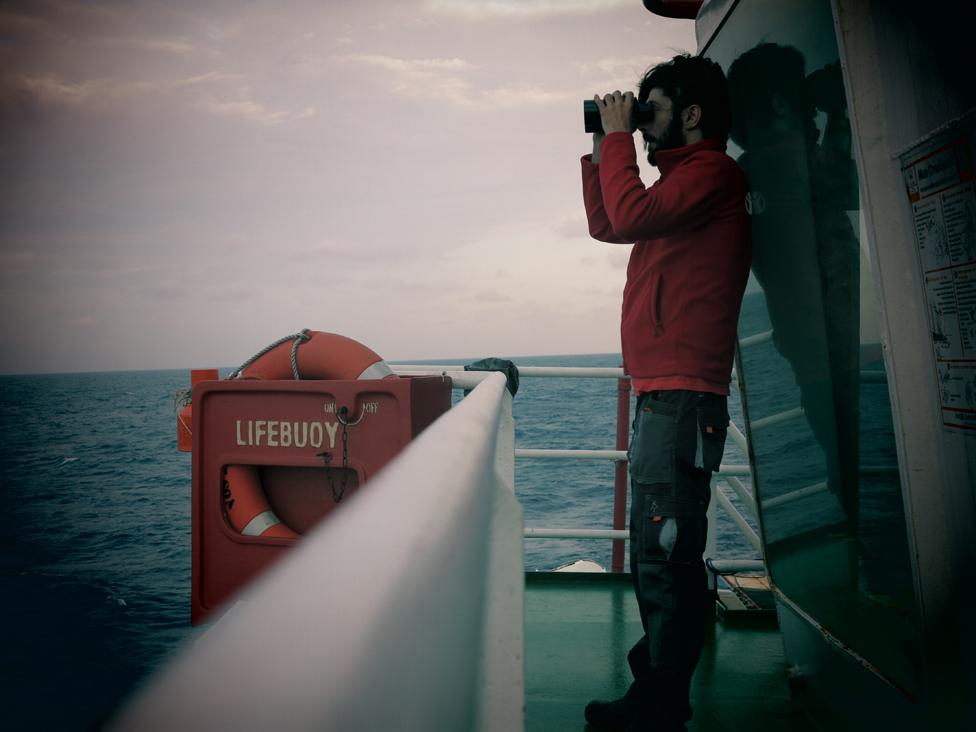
(578, 632)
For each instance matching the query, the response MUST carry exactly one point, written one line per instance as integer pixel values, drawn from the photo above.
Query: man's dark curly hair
(688, 80)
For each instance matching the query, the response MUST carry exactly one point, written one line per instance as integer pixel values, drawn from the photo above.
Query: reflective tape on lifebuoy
(261, 523)
(378, 370)
(247, 507)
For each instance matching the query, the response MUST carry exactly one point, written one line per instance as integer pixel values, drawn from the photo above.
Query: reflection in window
(815, 392)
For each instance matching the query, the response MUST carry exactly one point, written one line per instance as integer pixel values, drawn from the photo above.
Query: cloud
(572, 226)
(617, 67)
(442, 79)
(255, 112)
(618, 255)
(507, 96)
(170, 45)
(482, 9)
(54, 90)
(422, 66)
(19, 261)
(346, 253)
(491, 297)
(83, 321)
(208, 77)
(13, 24)
(173, 45)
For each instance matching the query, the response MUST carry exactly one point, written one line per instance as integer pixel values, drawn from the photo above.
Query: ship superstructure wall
(909, 84)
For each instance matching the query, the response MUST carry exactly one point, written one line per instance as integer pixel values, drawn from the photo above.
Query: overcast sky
(184, 182)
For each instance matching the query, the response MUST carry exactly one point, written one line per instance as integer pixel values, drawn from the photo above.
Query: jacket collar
(668, 160)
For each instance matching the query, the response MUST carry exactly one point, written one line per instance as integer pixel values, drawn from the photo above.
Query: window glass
(815, 392)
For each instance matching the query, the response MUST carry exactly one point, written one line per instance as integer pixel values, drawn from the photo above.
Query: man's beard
(672, 139)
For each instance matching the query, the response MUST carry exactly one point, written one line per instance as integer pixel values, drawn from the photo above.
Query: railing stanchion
(620, 471)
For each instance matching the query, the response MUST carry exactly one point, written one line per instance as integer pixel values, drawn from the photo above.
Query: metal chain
(298, 339)
(337, 495)
(345, 465)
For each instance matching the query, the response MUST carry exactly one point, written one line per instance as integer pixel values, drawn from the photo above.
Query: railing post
(620, 471)
(711, 537)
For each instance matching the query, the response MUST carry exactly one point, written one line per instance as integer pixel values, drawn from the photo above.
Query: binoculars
(643, 112)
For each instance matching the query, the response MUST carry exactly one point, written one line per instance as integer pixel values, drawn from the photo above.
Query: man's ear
(691, 116)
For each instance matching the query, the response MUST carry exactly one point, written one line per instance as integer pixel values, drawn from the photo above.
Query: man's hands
(616, 111)
(616, 115)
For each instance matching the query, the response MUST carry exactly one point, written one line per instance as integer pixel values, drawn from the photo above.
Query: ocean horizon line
(447, 360)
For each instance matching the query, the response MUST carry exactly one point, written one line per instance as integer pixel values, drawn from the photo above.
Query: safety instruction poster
(940, 184)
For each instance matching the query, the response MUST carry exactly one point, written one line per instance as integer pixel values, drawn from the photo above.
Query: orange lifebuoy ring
(247, 508)
(314, 354)
(305, 355)
(310, 354)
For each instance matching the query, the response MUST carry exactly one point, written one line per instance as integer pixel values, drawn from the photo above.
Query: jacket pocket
(654, 302)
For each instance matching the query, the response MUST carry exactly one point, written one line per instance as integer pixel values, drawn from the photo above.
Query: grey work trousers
(677, 443)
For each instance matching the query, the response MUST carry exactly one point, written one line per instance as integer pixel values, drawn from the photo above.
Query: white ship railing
(413, 597)
(405, 611)
(727, 473)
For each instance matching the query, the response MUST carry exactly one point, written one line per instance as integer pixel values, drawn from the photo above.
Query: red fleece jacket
(689, 265)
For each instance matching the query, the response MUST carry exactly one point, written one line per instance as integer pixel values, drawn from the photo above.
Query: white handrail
(559, 372)
(773, 419)
(805, 492)
(729, 472)
(376, 620)
(540, 533)
(554, 454)
(755, 339)
(614, 455)
(564, 372)
(744, 528)
(740, 490)
(738, 438)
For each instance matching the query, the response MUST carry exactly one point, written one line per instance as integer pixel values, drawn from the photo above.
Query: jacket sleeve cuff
(615, 139)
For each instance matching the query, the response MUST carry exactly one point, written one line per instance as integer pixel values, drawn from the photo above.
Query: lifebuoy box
(272, 459)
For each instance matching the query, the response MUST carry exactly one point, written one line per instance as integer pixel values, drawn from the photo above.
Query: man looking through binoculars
(685, 280)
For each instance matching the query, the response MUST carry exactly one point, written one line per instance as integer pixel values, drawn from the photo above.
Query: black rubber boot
(615, 716)
(641, 725)
(665, 708)
(654, 703)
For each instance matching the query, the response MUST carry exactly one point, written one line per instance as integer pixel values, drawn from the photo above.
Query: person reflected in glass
(806, 254)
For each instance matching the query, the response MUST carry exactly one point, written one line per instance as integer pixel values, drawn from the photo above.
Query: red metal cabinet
(292, 432)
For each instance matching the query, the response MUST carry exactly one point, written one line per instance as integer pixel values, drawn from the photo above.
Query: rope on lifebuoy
(298, 339)
(181, 400)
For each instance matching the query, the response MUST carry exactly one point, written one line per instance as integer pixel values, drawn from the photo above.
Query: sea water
(95, 540)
